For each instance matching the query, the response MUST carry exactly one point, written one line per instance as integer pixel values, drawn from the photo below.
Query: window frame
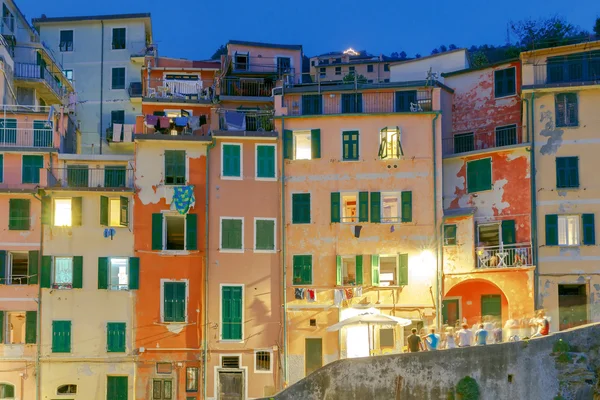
(228, 177)
(309, 208)
(346, 282)
(370, 68)
(579, 231)
(241, 340)
(110, 286)
(65, 286)
(503, 95)
(9, 268)
(23, 167)
(221, 249)
(6, 328)
(65, 73)
(174, 214)
(395, 137)
(124, 78)
(187, 389)
(162, 300)
(67, 385)
(396, 282)
(70, 337)
(312, 269)
(66, 49)
(446, 237)
(259, 371)
(338, 70)
(356, 218)
(386, 67)
(256, 177)
(124, 349)
(8, 384)
(397, 219)
(70, 199)
(350, 131)
(565, 123)
(112, 38)
(185, 166)
(576, 168)
(302, 132)
(21, 222)
(256, 219)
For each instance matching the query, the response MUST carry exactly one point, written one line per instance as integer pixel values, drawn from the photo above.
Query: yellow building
(561, 93)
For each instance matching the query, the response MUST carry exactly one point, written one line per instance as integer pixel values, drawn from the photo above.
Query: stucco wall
(415, 70)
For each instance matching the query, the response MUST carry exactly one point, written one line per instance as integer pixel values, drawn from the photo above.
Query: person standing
(543, 325)
(414, 341)
(450, 342)
(481, 336)
(464, 337)
(432, 340)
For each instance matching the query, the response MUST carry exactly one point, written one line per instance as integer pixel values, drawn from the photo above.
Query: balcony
(177, 127)
(572, 70)
(37, 73)
(81, 177)
(467, 142)
(504, 256)
(179, 91)
(245, 64)
(245, 123)
(135, 90)
(249, 87)
(26, 134)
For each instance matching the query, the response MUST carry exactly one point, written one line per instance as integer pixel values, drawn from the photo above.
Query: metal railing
(246, 120)
(242, 63)
(26, 134)
(15, 280)
(246, 87)
(21, 108)
(582, 70)
(466, 142)
(135, 89)
(35, 71)
(81, 176)
(504, 256)
(172, 89)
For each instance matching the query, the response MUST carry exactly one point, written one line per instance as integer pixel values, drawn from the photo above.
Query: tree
(597, 27)
(479, 59)
(350, 78)
(395, 55)
(403, 55)
(443, 49)
(542, 33)
(418, 55)
(221, 51)
(435, 51)
(452, 47)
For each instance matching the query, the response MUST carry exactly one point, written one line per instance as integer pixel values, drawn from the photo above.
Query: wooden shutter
(265, 161)
(117, 387)
(104, 210)
(77, 272)
(168, 298)
(508, 232)
(191, 232)
(359, 270)
(265, 234)
(2, 271)
(33, 267)
(2, 326)
(134, 273)
(363, 207)
(335, 207)
(406, 198)
(102, 272)
(375, 270)
(315, 143)
(551, 230)
(46, 210)
(61, 336)
(46, 272)
(76, 211)
(561, 172)
(124, 215)
(231, 160)
(338, 275)
(115, 337)
(30, 327)
(288, 144)
(157, 231)
(231, 312)
(375, 207)
(589, 229)
(402, 269)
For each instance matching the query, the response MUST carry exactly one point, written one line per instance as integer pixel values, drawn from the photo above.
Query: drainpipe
(205, 336)
(101, 80)
(534, 241)
(283, 253)
(38, 341)
(438, 314)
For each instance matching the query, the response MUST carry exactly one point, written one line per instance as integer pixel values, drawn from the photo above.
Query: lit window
(119, 274)
(63, 273)
(302, 145)
(15, 328)
(175, 232)
(115, 212)
(349, 270)
(388, 271)
(262, 361)
(390, 144)
(68, 74)
(62, 212)
(568, 230)
(18, 271)
(349, 209)
(390, 207)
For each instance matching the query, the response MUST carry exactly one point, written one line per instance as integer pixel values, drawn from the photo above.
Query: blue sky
(193, 29)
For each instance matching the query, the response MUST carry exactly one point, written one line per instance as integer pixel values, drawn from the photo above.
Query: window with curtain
(63, 271)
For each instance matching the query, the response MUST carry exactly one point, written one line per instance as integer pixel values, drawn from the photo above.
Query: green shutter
(102, 272)
(301, 208)
(561, 172)
(265, 161)
(2, 270)
(288, 144)
(117, 387)
(61, 336)
(335, 207)
(315, 143)
(115, 337)
(157, 231)
(363, 207)
(46, 272)
(168, 295)
(508, 232)
(479, 175)
(1, 167)
(449, 235)
(174, 301)
(589, 229)
(375, 270)
(406, 206)
(359, 270)
(2, 326)
(76, 211)
(18, 210)
(402, 269)
(231, 312)
(231, 234)
(338, 275)
(265, 234)
(551, 230)
(77, 272)
(307, 270)
(134, 273)
(375, 207)
(31, 168)
(34, 261)
(46, 210)
(191, 232)
(124, 216)
(232, 160)
(30, 327)
(104, 210)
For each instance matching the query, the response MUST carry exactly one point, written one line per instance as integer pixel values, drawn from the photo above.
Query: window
(302, 268)
(568, 230)
(63, 273)
(115, 337)
(66, 41)
(7, 391)
(174, 301)
(8, 131)
(162, 389)
(231, 164)
(386, 337)
(389, 270)
(191, 379)
(390, 143)
(370, 68)
(567, 172)
(1, 167)
(241, 62)
(565, 230)
(301, 208)
(504, 82)
(350, 145)
(68, 74)
(390, 207)
(479, 175)
(172, 231)
(68, 212)
(118, 273)
(22, 267)
(386, 67)
(117, 387)
(118, 38)
(31, 168)
(566, 110)
(117, 117)
(312, 104)
(265, 161)
(262, 361)
(264, 235)
(175, 168)
(352, 103)
(449, 235)
(322, 72)
(351, 70)
(404, 99)
(338, 70)
(61, 336)
(349, 270)
(114, 211)
(115, 176)
(302, 145)
(18, 219)
(175, 232)
(232, 234)
(21, 327)
(284, 65)
(464, 142)
(67, 389)
(506, 135)
(118, 78)
(231, 312)
(349, 207)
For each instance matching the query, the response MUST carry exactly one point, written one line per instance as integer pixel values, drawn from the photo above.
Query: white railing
(504, 256)
(27, 137)
(20, 108)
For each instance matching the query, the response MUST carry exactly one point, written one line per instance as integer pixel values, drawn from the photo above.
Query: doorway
(450, 312)
(313, 355)
(491, 307)
(231, 385)
(572, 306)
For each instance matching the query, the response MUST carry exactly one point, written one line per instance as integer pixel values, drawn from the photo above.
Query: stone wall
(561, 366)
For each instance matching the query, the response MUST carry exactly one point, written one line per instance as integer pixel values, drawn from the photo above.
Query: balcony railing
(504, 256)
(246, 87)
(35, 71)
(183, 89)
(466, 142)
(583, 69)
(246, 120)
(242, 63)
(22, 108)
(83, 177)
(135, 89)
(36, 134)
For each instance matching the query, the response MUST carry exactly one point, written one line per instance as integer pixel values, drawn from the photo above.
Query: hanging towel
(236, 121)
(164, 122)
(349, 293)
(359, 291)
(299, 294)
(311, 295)
(117, 128)
(151, 121)
(194, 122)
(338, 297)
(181, 121)
(183, 198)
(128, 133)
(203, 120)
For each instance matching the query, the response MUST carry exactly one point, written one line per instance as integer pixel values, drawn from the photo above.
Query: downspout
(438, 314)
(283, 253)
(205, 335)
(534, 240)
(38, 340)
(101, 81)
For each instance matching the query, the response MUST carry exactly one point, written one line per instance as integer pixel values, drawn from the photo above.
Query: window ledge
(231, 341)
(262, 372)
(239, 251)
(256, 178)
(265, 251)
(568, 188)
(505, 96)
(174, 252)
(231, 178)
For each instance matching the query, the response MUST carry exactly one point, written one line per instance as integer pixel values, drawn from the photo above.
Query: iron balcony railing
(582, 69)
(82, 176)
(182, 89)
(247, 87)
(135, 89)
(466, 142)
(23, 108)
(241, 63)
(504, 256)
(246, 120)
(31, 134)
(35, 71)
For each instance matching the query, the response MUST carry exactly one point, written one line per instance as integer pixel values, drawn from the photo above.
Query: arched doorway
(476, 301)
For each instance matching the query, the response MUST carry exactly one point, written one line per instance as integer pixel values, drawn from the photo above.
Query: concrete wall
(545, 368)
(264, 59)
(416, 70)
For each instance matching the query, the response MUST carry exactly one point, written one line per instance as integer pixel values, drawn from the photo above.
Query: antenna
(431, 77)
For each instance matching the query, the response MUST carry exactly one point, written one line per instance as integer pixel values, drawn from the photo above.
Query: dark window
(386, 67)
(449, 235)
(263, 361)
(67, 389)
(370, 68)
(352, 103)
(337, 60)
(284, 65)
(464, 142)
(579, 67)
(338, 70)
(118, 78)
(175, 225)
(175, 167)
(118, 38)
(504, 82)
(567, 172)
(566, 109)
(301, 208)
(312, 104)
(506, 135)
(350, 145)
(404, 100)
(241, 62)
(323, 72)
(66, 41)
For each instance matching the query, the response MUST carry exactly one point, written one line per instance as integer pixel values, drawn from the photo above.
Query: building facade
(334, 66)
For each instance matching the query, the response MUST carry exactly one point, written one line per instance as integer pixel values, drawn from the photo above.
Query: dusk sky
(194, 29)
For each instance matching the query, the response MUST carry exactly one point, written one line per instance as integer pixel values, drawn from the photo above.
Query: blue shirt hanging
(183, 198)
